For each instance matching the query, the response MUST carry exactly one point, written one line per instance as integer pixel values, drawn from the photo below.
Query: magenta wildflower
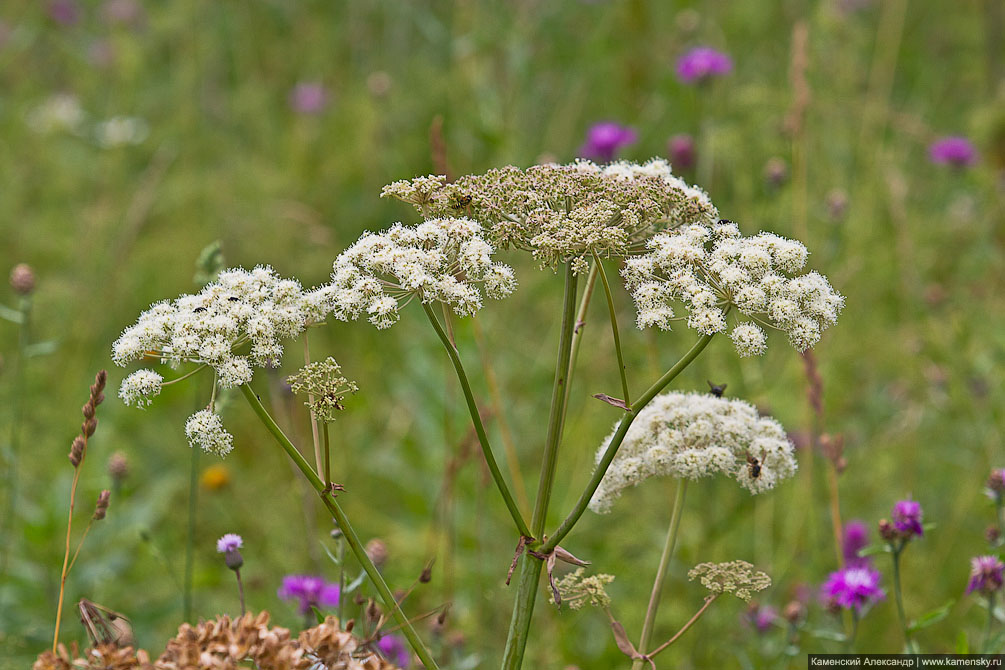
(605, 139)
(907, 518)
(309, 97)
(852, 588)
(956, 151)
(310, 591)
(394, 649)
(64, 12)
(856, 537)
(762, 617)
(703, 63)
(986, 573)
(682, 151)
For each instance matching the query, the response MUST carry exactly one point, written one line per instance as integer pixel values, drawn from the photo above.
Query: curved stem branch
(614, 329)
(343, 523)
(476, 419)
(616, 440)
(708, 601)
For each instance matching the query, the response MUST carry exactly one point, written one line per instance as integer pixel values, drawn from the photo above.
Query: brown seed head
(794, 612)
(89, 426)
(77, 450)
(992, 534)
(87, 410)
(22, 279)
(372, 611)
(101, 507)
(376, 551)
(887, 531)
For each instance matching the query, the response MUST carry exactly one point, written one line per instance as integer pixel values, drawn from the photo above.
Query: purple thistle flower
(852, 587)
(986, 573)
(856, 537)
(394, 649)
(907, 518)
(956, 151)
(703, 63)
(64, 12)
(229, 542)
(682, 151)
(604, 140)
(309, 97)
(310, 591)
(762, 617)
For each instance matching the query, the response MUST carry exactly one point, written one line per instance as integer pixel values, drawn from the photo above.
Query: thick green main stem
(530, 568)
(476, 419)
(649, 624)
(343, 523)
(558, 405)
(616, 440)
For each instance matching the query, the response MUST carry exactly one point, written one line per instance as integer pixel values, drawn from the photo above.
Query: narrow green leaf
(930, 618)
(824, 634)
(318, 614)
(962, 644)
(874, 549)
(41, 348)
(12, 315)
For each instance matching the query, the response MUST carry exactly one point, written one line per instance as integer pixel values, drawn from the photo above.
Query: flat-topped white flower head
(253, 309)
(439, 260)
(565, 213)
(695, 435)
(711, 270)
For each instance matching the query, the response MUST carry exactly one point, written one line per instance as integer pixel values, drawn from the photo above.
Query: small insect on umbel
(104, 625)
(717, 389)
(754, 465)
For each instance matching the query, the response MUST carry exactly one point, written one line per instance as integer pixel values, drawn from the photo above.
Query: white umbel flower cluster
(256, 308)
(565, 213)
(693, 435)
(711, 269)
(205, 429)
(139, 388)
(440, 260)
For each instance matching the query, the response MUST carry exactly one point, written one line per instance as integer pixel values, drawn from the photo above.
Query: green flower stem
(648, 626)
(577, 333)
(193, 495)
(910, 644)
(854, 632)
(990, 621)
(616, 440)
(343, 523)
(476, 419)
(530, 568)
(614, 329)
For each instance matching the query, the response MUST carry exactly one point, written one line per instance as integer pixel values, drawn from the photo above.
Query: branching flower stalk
(357, 548)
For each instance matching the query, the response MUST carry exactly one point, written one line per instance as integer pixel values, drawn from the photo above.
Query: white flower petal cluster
(694, 435)
(711, 269)
(255, 309)
(442, 260)
(139, 388)
(565, 213)
(205, 429)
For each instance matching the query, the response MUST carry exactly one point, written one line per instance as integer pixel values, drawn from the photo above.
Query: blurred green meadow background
(137, 133)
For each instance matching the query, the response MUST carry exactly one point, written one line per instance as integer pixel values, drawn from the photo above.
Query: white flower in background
(60, 113)
(712, 269)
(565, 213)
(205, 429)
(139, 388)
(736, 577)
(694, 435)
(121, 131)
(251, 311)
(441, 260)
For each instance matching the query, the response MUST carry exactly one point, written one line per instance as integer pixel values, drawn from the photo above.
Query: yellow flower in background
(215, 477)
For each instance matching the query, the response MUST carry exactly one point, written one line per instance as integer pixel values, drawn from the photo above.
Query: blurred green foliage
(912, 372)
